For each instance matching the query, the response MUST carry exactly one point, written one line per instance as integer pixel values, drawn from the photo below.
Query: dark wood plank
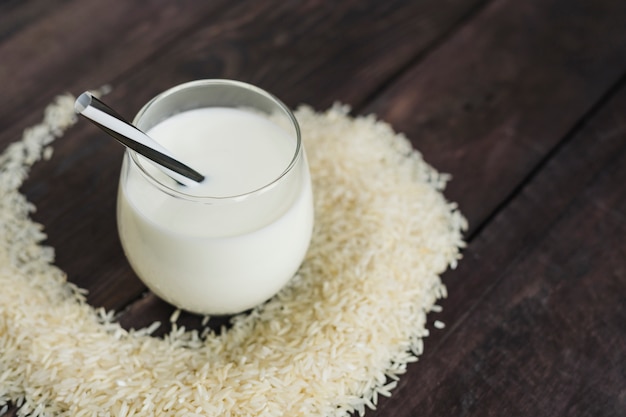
(68, 50)
(298, 51)
(490, 104)
(78, 45)
(16, 15)
(550, 340)
(536, 310)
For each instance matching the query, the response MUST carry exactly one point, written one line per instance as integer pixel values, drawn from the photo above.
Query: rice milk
(234, 240)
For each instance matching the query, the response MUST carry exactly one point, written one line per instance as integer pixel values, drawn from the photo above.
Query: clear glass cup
(221, 253)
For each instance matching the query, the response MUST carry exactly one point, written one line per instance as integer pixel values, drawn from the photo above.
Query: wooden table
(523, 102)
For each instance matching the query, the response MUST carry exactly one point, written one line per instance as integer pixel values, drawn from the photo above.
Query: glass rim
(134, 156)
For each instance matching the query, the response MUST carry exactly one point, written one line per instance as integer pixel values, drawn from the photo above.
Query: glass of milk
(233, 241)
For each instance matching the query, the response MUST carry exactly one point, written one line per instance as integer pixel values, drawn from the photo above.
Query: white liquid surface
(237, 151)
(218, 258)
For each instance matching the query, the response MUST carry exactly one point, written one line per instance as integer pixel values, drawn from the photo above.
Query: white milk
(208, 252)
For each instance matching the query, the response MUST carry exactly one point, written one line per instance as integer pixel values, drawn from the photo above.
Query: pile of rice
(329, 344)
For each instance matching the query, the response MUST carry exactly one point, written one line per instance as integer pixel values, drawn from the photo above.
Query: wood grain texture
(490, 103)
(78, 45)
(536, 309)
(15, 17)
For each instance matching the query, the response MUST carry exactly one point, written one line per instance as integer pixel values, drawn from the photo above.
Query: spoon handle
(116, 126)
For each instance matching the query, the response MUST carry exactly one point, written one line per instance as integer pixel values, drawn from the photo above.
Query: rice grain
(338, 336)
